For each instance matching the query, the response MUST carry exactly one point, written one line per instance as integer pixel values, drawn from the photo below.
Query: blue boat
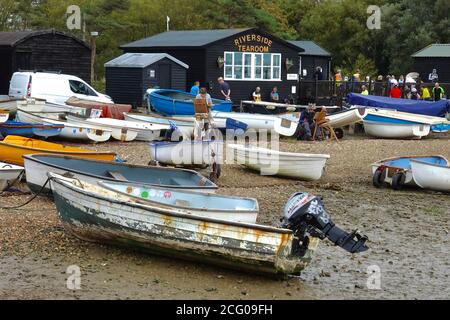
(175, 102)
(428, 108)
(397, 171)
(29, 129)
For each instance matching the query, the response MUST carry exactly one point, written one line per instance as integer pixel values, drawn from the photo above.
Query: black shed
(314, 56)
(245, 58)
(129, 76)
(42, 50)
(435, 56)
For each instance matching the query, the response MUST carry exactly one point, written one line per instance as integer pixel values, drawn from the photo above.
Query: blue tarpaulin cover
(436, 109)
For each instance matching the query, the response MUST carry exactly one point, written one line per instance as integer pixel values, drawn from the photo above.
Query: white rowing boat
(347, 117)
(117, 132)
(70, 131)
(396, 130)
(185, 127)
(9, 174)
(300, 166)
(431, 175)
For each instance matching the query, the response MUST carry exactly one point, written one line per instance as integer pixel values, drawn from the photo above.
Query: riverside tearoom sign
(253, 43)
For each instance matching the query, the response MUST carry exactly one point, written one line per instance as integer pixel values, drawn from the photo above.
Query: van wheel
(398, 181)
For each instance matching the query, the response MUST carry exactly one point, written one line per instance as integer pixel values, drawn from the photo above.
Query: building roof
(311, 48)
(190, 38)
(193, 38)
(141, 60)
(434, 51)
(13, 38)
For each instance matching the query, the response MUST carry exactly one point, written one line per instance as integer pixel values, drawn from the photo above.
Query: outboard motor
(306, 216)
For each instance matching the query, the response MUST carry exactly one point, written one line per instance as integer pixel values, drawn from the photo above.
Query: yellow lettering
(258, 38)
(253, 37)
(270, 43)
(236, 42)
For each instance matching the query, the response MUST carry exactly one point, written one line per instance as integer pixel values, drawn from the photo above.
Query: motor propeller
(305, 214)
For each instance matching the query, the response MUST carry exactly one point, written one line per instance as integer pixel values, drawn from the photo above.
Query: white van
(53, 87)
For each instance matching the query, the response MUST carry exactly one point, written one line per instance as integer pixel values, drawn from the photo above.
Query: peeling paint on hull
(92, 216)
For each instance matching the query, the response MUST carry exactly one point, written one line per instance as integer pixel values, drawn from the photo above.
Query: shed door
(23, 61)
(165, 76)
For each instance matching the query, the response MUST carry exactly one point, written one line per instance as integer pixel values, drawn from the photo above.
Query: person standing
(274, 95)
(433, 76)
(396, 93)
(195, 88)
(438, 92)
(224, 89)
(257, 95)
(318, 74)
(203, 124)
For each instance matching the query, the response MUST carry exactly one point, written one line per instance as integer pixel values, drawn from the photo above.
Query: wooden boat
(265, 107)
(175, 102)
(92, 171)
(4, 115)
(397, 171)
(9, 174)
(96, 214)
(117, 132)
(187, 153)
(38, 105)
(347, 117)
(13, 148)
(433, 176)
(300, 166)
(203, 205)
(93, 213)
(70, 131)
(29, 129)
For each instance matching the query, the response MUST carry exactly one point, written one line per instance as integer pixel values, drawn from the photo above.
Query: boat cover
(435, 109)
(114, 111)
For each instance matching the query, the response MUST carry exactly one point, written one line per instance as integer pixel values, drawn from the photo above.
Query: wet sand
(408, 232)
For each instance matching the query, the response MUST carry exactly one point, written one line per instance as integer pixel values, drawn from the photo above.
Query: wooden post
(94, 36)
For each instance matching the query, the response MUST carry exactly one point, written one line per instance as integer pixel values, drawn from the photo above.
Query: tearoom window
(252, 66)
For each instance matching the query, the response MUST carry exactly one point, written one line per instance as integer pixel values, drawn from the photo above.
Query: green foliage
(337, 25)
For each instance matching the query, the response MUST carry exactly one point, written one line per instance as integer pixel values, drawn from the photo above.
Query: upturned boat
(13, 148)
(29, 129)
(175, 102)
(9, 174)
(37, 166)
(70, 131)
(120, 133)
(397, 171)
(433, 176)
(4, 115)
(96, 214)
(200, 204)
(346, 117)
(300, 166)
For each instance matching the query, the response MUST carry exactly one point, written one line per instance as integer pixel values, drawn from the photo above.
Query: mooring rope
(10, 184)
(29, 200)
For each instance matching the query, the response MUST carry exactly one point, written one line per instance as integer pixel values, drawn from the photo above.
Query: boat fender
(398, 180)
(379, 177)
(306, 216)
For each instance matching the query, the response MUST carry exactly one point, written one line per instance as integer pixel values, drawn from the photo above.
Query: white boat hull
(307, 167)
(429, 176)
(118, 133)
(4, 117)
(70, 131)
(346, 118)
(8, 174)
(396, 131)
(187, 153)
(185, 131)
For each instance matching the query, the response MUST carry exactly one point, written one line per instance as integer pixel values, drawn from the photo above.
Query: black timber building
(245, 58)
(435, 56)
(129, 76)
(47, 50)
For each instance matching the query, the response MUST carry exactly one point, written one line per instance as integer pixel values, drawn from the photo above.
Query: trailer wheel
(378, 178)
(153, 163)
(398, 180)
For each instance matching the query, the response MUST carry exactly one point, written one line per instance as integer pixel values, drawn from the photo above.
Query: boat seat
(116, 175)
